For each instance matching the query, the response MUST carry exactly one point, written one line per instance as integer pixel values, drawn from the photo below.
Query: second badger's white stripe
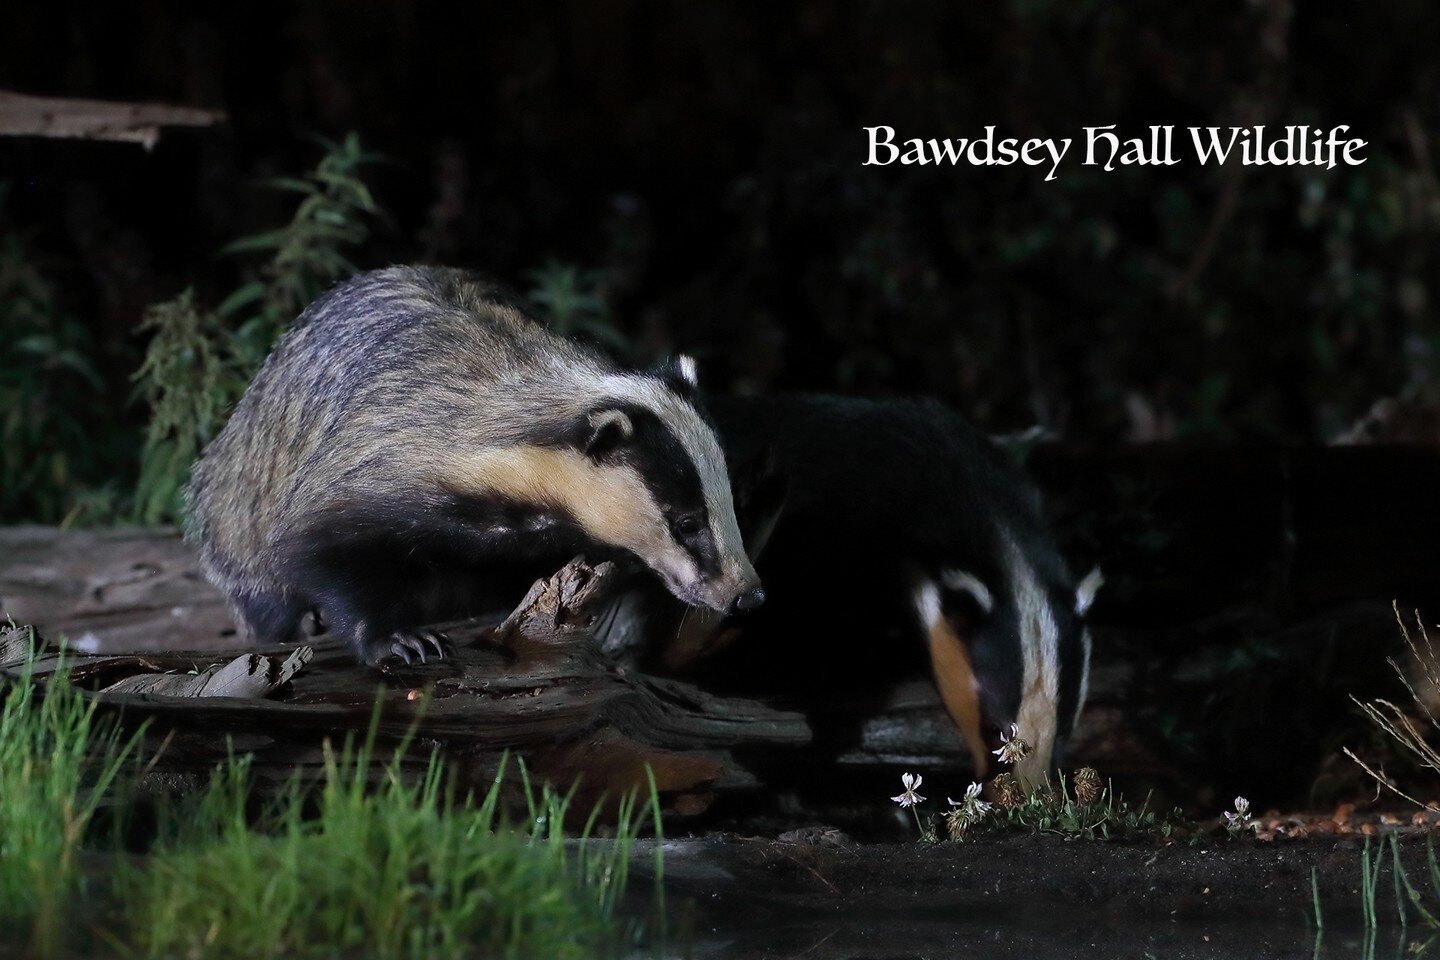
(1040, 658)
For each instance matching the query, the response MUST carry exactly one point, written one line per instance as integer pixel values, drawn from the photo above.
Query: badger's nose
(750, 599)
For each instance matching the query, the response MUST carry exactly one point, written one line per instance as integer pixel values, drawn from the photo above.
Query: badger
(906, 539)
(414, 431)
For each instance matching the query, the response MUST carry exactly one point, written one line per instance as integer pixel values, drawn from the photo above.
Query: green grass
(343, 866)
(393, 871)
(56, 765)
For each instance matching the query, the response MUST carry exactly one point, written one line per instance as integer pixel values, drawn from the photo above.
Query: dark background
(702, 166)
(707, 158)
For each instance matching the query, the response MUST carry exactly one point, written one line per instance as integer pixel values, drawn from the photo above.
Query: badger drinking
(414, 427)
(900, 513)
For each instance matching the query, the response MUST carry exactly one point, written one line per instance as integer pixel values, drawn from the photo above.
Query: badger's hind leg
(270, 616)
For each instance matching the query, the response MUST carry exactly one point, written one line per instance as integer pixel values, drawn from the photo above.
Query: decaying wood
(536, 686)
(112, 590)
(27, 116)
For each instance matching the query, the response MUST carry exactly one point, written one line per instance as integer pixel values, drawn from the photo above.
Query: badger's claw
(413, 645)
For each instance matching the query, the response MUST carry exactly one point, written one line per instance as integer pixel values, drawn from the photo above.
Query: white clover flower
(972, 807)
(912, 783)
(1240, 820)
(1012, 748)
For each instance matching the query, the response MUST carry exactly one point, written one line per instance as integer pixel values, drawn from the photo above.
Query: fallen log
(536, 686)
(26, 116)
(128, 589)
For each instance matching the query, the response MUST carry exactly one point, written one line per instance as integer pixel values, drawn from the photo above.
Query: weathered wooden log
(23, 115)
(128, 589)
(536, 686)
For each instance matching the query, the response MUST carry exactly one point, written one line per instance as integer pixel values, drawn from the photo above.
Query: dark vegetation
(661, 176)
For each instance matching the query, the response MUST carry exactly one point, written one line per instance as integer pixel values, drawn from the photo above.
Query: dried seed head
(1088, 786)
(1008, 792)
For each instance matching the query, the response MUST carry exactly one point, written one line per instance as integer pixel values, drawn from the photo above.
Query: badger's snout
(749, 599)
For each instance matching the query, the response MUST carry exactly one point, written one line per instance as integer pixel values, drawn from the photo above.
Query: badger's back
(903, 478)
(377, 381)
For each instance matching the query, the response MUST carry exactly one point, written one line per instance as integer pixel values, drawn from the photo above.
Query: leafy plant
(184, 380)
(1057, 811)
(198, 362)
(306, 255)
(52, 420)
(573, 301)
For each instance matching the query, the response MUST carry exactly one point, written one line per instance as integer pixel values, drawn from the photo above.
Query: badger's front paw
(409, 646)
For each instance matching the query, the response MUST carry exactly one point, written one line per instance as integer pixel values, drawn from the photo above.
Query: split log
(26, 116)
(536, 686)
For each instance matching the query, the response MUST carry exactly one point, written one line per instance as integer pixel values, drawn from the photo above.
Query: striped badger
(414, 430)
(897, 513)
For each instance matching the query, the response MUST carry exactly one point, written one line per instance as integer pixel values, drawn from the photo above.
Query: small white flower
(912, 783)
(972, 807)
(1240, 821)
(1012, 748)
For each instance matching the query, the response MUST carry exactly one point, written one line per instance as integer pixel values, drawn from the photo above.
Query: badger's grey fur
(415, 425)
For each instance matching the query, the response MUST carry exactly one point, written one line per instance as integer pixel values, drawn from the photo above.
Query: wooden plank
(26, 116)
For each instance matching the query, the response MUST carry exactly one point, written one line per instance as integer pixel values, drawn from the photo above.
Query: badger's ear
(966, 583)
(680, 373)
(1085, 592)
(604, 432)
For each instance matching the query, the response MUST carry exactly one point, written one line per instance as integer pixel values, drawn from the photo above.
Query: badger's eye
(687, 525)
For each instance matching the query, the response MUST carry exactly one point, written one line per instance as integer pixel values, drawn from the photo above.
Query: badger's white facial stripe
(1085, 592)
(1040, 658)
(685, 366)
(963, 582)
(950, 664)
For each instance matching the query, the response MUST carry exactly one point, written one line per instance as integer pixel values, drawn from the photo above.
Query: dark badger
(900, 513)
(415, 426)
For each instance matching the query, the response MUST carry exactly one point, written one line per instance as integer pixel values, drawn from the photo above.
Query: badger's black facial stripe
(659, 457)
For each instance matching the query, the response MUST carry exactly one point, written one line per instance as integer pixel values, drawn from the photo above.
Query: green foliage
(1054, 810)
(184, 381)
(574, 303)
(342, 867)
(199, 362)
(56, 765)
(51, 396)
(395, 871)
(306, 255)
